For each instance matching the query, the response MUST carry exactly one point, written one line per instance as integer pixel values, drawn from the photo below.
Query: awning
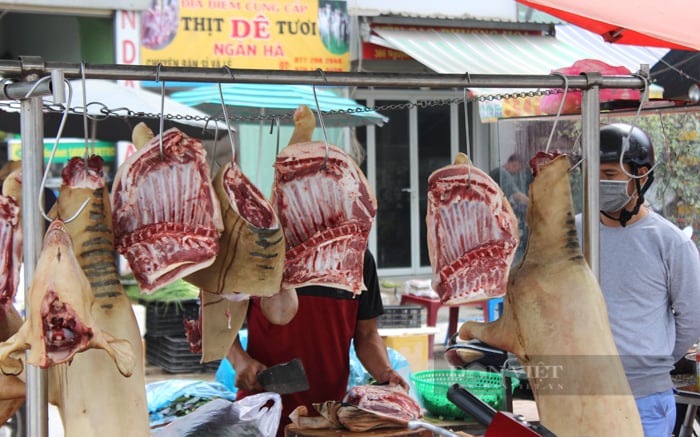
(447, 51)
(481, 53)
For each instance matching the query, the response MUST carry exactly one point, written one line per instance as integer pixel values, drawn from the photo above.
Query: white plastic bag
(254, 416)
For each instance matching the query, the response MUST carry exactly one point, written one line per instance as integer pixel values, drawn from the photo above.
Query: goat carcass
(555, 320)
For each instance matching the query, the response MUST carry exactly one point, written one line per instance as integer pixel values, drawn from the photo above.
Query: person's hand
(393, 378)
(247, 375)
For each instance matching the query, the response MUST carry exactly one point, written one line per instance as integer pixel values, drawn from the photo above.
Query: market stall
(24, 82)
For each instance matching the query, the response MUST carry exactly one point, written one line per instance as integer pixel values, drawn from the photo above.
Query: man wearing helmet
(649, 275)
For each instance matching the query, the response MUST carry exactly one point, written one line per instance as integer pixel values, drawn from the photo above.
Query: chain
(99, 111)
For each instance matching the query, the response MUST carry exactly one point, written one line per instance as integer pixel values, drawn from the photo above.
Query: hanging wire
(59, 134)
(276, 122)
(320, 118)
(561, 105)
(162, 108)
(228, 124)
(668, 148)
(85, 123)
(214, 147)
(633, 125)
(466, 134)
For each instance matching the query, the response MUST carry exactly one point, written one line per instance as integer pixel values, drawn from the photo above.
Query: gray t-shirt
(650, 277)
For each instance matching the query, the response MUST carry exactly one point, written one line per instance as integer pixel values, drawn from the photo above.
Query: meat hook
(626, 140)
(228, 124)
(162, 107)
(320, 117)
(42, 185)
(466, 132)
(85, 117)
(561, 105)
(273, 122)
(216, 141)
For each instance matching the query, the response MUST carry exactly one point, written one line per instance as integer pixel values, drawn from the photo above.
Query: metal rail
(20, 68)
(30, 68)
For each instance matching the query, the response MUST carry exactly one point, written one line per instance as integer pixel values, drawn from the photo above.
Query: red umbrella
(670, 24)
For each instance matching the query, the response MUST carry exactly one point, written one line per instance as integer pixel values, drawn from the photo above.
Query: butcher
(326, 321)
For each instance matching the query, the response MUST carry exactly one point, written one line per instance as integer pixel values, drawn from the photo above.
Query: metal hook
(228, 124)
(561, 105)
(162, 108)
(31, 90)
(320, 117)
(273, 122)
(466, 133)
(626, 140)
(42, 185)
(85, 123)
(228, 70)
(216, 142)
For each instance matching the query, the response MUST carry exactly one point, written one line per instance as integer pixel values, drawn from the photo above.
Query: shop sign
(67, 148)
(265, 34)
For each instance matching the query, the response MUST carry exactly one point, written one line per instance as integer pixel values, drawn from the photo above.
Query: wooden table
(293, 431)
(456, 426)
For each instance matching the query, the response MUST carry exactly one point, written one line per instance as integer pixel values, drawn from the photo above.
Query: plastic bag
(174, 397)
(360, 376)
(254, 416)
(226, 374)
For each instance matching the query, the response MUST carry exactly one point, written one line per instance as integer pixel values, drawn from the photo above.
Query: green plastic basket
(432, 385)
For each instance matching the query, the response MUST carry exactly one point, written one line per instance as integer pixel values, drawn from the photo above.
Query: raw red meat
(326, 209)
(167, 219)
(390, 402)
(10, 250)
(472, 233)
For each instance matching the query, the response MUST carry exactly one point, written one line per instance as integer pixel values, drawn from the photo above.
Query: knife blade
(284, 378)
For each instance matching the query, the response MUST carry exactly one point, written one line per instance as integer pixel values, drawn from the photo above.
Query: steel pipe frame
(17, 69)
(32, 144)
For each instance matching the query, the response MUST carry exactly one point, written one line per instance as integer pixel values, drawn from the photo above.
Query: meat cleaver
(284, 378)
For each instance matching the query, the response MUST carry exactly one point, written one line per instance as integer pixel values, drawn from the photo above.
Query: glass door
(418, 139)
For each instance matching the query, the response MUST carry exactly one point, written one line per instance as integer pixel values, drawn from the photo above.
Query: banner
(269, 35)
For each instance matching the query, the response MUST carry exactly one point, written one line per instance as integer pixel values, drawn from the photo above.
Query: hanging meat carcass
(472, 233)
(251, 256)
(555, 320)
(250, 262)
(12, 388)
(326, 208)
(60, 322)
(167, 219)
(85, 410)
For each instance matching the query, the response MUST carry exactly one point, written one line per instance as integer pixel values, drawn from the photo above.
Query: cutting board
(293, 431)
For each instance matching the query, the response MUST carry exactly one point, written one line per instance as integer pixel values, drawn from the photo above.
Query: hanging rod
(21, 68)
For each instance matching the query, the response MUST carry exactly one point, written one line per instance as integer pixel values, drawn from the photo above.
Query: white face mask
(613, 195)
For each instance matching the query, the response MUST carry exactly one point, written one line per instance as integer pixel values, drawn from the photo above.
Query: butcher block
(294, 431)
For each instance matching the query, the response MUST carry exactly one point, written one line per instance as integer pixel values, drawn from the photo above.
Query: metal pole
(10, 68)
(32, 132)
(590, 125)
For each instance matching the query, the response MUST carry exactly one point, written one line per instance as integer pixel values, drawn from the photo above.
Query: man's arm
(371, 350)
(684, 287)
(246, 368)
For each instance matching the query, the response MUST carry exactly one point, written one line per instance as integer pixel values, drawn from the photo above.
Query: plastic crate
(401, 316)
(166, 318)
(172, 354)
(432, 385)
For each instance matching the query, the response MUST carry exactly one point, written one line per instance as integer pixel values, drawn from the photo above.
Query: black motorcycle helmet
(637, 151)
